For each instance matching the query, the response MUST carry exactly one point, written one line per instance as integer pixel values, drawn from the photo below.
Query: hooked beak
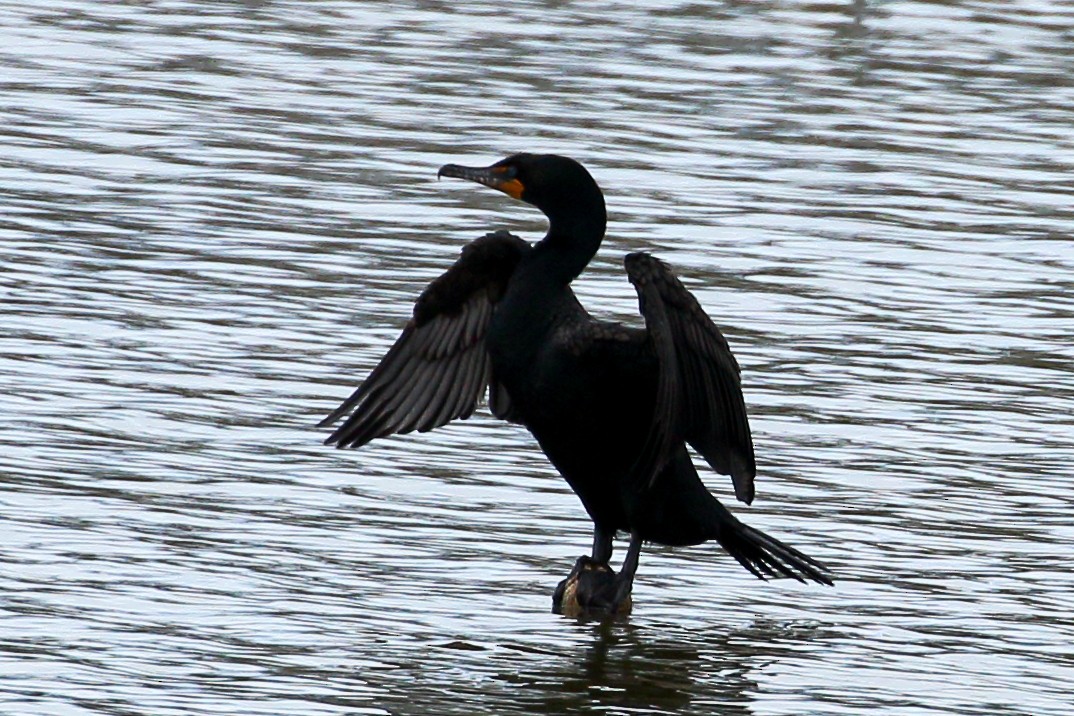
(497, 176)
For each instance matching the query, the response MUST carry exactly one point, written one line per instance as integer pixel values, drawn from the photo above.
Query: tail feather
(766, 556)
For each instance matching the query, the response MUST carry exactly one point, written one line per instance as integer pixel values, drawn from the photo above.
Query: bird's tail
(766, 556)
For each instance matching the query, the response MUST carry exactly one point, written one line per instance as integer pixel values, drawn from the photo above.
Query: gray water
(215, 218)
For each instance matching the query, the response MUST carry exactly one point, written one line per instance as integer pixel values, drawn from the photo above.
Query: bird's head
(558, 186)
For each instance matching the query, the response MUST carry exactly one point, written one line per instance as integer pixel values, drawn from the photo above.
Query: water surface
(216, 217)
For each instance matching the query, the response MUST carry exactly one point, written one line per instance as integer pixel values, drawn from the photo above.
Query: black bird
(612, 407)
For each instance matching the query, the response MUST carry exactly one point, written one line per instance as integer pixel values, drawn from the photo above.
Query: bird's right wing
(699, 397)
(438, 369)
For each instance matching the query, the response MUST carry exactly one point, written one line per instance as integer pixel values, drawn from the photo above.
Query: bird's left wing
(438, 368)
(699, 397)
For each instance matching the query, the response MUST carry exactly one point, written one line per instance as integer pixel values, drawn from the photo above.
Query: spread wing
(438, 369)
(699, 397)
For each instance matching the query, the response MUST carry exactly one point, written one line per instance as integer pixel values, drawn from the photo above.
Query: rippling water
(216, 216)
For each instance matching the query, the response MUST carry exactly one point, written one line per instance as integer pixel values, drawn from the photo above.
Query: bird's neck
(570, 243)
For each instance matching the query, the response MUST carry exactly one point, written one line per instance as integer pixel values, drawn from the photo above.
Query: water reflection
(629, 668)
(657, 668)
(664, 669)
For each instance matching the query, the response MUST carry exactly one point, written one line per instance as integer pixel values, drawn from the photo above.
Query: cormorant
(612, 407)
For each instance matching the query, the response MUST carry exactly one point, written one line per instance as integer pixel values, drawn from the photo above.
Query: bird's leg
(625, 578)
(602, 544)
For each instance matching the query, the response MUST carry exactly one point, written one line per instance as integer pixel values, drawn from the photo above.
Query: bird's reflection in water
(662, 669)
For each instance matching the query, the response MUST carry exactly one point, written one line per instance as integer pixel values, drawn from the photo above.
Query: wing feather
(699, 396)
(438, 368)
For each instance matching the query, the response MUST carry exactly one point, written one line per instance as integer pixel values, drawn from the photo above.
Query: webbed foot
(591, 589)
